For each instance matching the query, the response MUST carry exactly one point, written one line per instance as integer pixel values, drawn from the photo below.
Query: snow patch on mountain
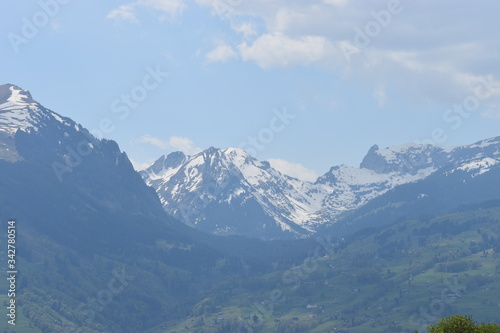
(351, 187)
(480, 166)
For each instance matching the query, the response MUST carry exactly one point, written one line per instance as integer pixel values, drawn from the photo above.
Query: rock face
(405, 159)
(171, 162)
(226, 191)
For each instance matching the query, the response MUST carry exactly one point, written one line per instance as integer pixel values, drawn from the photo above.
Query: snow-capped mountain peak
(18, 111)
(23, 119)
(217, 189)
(165, 166)
(227, 191)
(405, 159)
(10, 93)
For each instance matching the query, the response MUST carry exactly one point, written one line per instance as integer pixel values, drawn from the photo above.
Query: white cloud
(168, 8)
(124, 13)
(175, 143)
(221, 53)
(338, 3)
(157, 142)
(286, 18)
(491, 114)
(380, 95)
(296, 170)
(172, 8)
(221, 8)
(183, 144)
(416, 51)
(279, 50)
(247, 29)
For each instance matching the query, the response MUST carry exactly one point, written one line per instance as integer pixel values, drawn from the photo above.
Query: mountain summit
(226, 191)
(45, 155)
(18, 111)
(14, 94)
(89, 226)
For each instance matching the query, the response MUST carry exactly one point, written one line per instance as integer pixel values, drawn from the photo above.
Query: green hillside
(398, 279)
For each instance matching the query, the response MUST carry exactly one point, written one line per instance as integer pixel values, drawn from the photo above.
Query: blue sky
(305, 84)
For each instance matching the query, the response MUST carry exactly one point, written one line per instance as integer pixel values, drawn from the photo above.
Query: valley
(222, 242)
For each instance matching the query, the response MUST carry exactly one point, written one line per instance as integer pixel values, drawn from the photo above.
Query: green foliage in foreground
(462, 324)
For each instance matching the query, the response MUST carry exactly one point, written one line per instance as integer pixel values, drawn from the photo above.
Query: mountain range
(84, 215)
(86, 219)
(228, 192)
